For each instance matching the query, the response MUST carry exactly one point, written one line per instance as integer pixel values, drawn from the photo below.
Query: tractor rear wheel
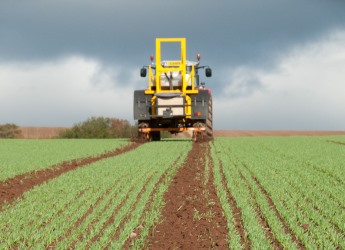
(206, 135)
(209, 121)
(155, 136)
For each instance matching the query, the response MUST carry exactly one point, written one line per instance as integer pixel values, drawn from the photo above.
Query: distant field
(51, 132)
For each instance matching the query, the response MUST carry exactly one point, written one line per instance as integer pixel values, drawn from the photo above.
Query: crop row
(96, 206)
(276, 192)
(20, 156)
(283, 192)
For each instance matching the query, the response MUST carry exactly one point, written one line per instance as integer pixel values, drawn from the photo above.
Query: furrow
(286, 227)
(79, 220)
(190, 219)
(137, 230)
(265, 226)
(129, 213)
(108, 222)
(13, 188)
(237, 213)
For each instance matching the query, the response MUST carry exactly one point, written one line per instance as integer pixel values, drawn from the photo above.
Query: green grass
(18, 156)
(304, 176)
(106, 194)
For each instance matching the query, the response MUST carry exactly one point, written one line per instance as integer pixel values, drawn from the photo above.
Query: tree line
(9, 130)
(94, 127)
(101, 127)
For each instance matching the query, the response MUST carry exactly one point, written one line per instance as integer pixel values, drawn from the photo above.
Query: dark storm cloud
(118, 30)
(226, 33)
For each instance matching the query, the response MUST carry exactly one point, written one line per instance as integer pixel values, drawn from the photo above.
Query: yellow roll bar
(154, 81)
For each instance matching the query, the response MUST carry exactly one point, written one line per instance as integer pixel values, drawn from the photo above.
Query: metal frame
(180, 66)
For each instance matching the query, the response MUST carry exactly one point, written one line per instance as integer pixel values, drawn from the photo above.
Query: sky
(277, 64)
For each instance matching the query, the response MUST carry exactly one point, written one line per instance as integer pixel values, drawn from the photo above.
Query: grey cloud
(121, 34)
(227, 32)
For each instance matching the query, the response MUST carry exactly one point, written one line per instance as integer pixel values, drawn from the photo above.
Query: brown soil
(13, 188)
(238, 133)
(337, 142)
(136, 232)
(192, 217)
(41, 132)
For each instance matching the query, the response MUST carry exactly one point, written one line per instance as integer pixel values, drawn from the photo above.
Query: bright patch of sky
(304, 91)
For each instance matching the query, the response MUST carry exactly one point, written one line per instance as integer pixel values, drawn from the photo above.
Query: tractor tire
(209, 121)
(155, 136)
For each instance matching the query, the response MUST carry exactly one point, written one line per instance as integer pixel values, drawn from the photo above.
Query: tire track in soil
(337, 142)
(192, 217)
(136, 232)
(13, 188)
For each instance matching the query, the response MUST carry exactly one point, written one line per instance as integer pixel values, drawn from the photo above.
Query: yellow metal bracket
(154, 84)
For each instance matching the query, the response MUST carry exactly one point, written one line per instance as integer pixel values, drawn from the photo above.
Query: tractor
(175, 99)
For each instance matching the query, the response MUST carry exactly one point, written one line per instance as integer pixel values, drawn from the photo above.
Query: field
(251, 192)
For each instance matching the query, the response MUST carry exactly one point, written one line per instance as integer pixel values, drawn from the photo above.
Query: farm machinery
(175, 99)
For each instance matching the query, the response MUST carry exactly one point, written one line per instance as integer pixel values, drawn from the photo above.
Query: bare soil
(192, 217)
(13, 188)
(41, 132)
